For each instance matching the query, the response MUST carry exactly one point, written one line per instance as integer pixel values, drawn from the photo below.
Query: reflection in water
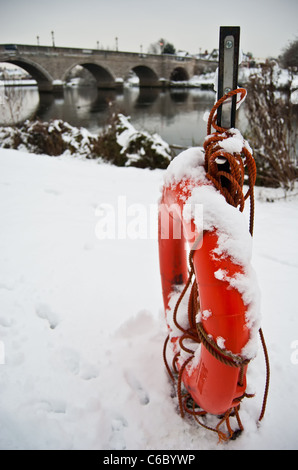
(146, 97)
(175, 114)
(179, 96)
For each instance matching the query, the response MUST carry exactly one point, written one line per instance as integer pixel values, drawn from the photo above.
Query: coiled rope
(228, 178)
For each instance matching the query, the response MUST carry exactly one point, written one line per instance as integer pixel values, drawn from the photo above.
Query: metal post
(228, 73)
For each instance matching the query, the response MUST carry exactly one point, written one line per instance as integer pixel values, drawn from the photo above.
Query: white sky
(267, 26)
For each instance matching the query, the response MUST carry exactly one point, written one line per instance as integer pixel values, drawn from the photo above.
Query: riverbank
(120, 144)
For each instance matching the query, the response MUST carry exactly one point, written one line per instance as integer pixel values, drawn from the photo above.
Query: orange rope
(228, 178)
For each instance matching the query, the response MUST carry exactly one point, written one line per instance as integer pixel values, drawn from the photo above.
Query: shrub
(141, 149)
(120, 143)
(46, 139)
(272, 131)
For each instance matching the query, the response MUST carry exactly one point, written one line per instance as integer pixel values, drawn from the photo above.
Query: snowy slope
(81, 320)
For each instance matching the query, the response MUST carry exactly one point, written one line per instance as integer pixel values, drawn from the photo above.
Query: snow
(294, 97)
(23, 82)
(81, 318)
(127, 133)
(124, 138)
(188, 164)
(220, 341)
(235, 142)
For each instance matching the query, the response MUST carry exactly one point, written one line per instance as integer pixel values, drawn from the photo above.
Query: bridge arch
(146, 75)
(104, 77)
(37, 72)
(179, 74)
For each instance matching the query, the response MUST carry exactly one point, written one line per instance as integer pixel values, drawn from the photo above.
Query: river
(177, 115)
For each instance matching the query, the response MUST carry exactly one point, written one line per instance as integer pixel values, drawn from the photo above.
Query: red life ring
(226, 286)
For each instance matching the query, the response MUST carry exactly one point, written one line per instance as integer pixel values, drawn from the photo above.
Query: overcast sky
(267, 26)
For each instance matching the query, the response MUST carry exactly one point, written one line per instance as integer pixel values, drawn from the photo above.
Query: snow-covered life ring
(194, 216)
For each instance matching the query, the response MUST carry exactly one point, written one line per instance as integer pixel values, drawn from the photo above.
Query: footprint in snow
(72, 361)
(45, 312)
(117, 441)
(53, 191)
(6, 322)
(136, 387)
(51, 406)
(89, 371)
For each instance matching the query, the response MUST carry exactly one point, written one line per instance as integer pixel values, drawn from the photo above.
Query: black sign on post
(229, 39)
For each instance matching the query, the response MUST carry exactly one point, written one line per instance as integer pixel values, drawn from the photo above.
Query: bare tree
(12, 97)
(162, 46)
(273, 131)
(289, 57)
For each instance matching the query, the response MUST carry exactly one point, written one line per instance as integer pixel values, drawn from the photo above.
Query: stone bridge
(50, 66)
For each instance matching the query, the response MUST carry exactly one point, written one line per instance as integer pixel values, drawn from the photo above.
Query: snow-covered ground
(81, 319)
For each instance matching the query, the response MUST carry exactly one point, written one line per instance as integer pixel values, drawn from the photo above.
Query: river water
(177, 115)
